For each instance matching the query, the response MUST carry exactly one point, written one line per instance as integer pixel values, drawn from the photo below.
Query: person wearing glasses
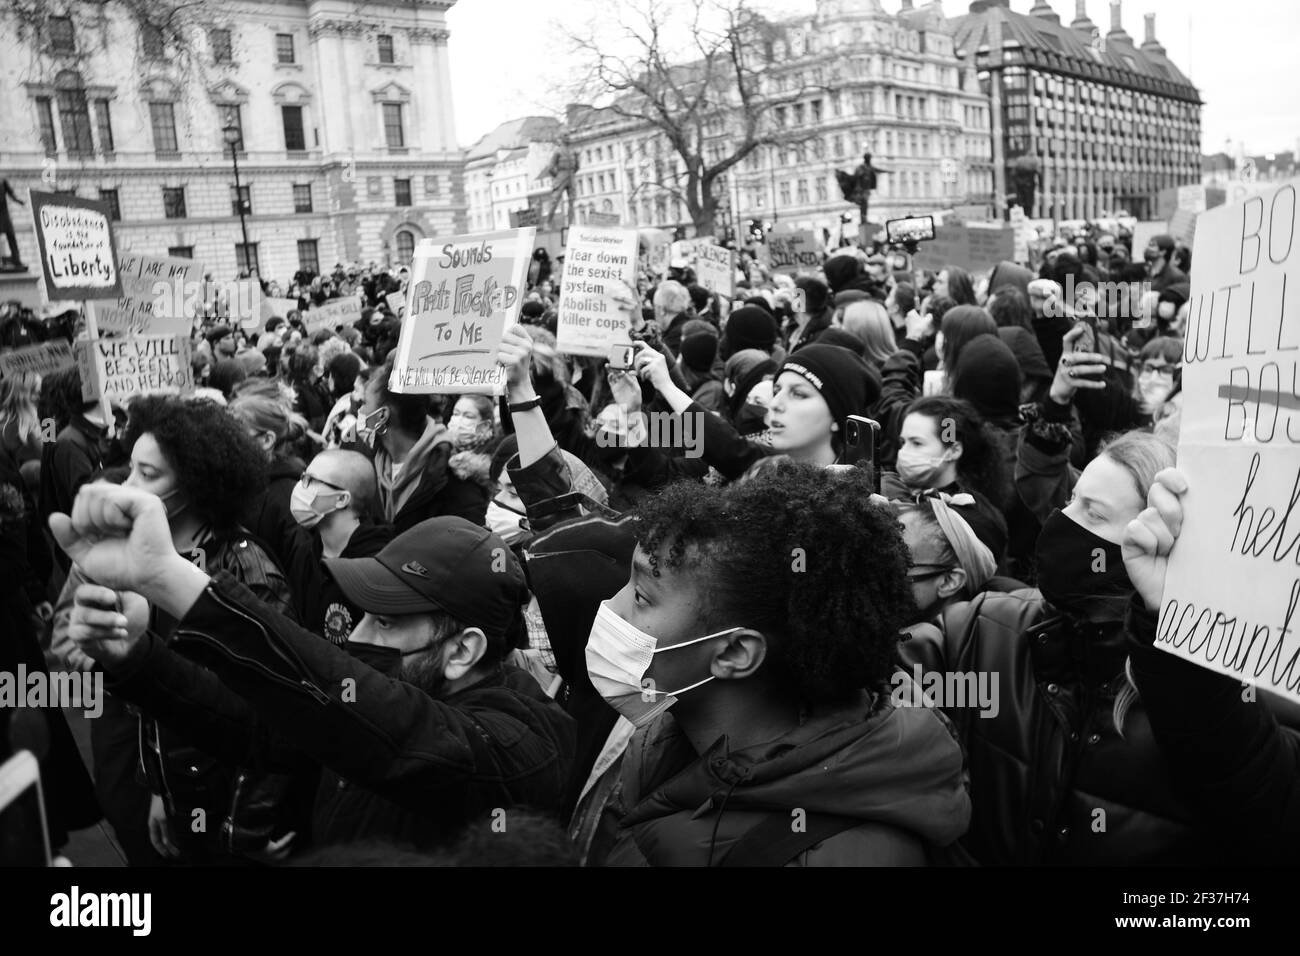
(334, 502)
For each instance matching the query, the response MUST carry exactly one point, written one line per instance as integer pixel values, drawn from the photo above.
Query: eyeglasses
(938, 569)
(1150, 368)
(307, 480)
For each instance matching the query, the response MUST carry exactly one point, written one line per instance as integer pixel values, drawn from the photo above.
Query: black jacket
(442, 492)
(398, 765)
(269, 519)
(328, 612)
(77, 455)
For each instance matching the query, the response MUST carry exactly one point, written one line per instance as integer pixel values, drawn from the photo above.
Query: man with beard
(418, 726)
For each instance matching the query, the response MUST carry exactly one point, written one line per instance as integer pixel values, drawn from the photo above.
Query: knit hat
(749, 327)
(849, 296)
(759, 302)
(1007, 274)
(841, 271)
(847, 383)
(988, 376)
(699, 350)
(838, 335)
(1029, 354)
(815, 293)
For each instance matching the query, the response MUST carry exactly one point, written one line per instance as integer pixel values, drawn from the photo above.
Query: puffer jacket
(1053, 781)
(241, 809)
(898, 770)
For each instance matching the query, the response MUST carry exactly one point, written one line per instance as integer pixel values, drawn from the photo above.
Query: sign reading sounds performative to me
(463, 293)
(75, 240)
(598, 266)
(1232, 596)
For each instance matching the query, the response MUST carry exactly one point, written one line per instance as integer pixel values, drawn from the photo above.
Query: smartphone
(911, 229)
(861, 436)
(1087, 342)
(622, 356)
(24, 839)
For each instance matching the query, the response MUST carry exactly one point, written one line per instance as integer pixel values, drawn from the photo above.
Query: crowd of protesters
(344, 624)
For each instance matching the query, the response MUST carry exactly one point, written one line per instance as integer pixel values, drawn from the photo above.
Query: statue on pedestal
(858, 187)
(562, 170)
(14, 260)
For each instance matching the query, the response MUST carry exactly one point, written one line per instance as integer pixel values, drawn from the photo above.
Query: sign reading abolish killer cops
(75, 239)
(463, 293)
(598, 264)
(1232, 595)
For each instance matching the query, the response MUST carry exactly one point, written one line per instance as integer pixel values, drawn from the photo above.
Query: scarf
(394, 493)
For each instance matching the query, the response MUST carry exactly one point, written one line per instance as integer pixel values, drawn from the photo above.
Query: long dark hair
(959, 326)
(982, 466)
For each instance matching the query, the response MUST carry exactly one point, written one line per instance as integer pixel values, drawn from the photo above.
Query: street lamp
(234, 139)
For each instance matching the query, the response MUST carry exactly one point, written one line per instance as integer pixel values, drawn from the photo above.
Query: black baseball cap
(444, 564)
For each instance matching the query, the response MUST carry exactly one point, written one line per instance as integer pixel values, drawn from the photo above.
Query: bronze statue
(1025, 178)
(858, 187)
(562, 170)
(15, 258)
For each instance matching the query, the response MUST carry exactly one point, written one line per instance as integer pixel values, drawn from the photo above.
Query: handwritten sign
(463, 293)
(332, 314)
(1232, 595)
(1143, 233)
(715, 267)
(794, 251)
(1192, 198)
(1182, 226)
(1020, 230)
(656, 250)
(160, 296)
(121, 369)
(39, 359)
(75, 240)
(396, 301)
(277, 308)
(604, 218)
(597, 264)
(972, 249)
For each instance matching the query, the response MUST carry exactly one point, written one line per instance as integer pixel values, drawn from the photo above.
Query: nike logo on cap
(414, 567)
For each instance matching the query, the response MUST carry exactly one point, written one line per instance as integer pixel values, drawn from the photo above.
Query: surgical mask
(172, 512)
(618, 656)
(465, 432)
(504, 521)
(307, 507)
(918, 470)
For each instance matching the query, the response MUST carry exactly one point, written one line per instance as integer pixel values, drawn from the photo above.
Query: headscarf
(973, 555)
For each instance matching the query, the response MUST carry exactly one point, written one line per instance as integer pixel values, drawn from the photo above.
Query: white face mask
(1154, 390)
(307, 508)
(618, 656)
(503, 522)
(918, 470)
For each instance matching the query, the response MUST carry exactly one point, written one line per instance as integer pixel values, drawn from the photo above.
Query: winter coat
(77, 454)
(327, 611)
(269, 519)
(895, 769)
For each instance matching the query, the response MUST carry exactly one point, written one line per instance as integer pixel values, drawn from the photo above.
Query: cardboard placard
(1182, 226)
(1233, 586)
(42, 359)
(1192, 198)
(1143, 233)
(332, 314)
(604, 218)
(120, 369)
(160, 296)
(715, 267)
(794, 251)
(972, 249)
(277, 308)
(463, 293)
(396, 301)
(597, 264)
(74, 238)
(655, 249)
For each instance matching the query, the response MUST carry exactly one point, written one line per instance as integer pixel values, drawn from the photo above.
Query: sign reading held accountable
(598, 264)
(1232, 596)
(160, 296)
(124, 368)
(463, 293)
(75, 240)
(41, 359)
(715, 267)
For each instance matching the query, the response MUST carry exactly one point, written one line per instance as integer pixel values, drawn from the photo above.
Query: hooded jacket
(425, 486)
(896, 769)
(1006, 274)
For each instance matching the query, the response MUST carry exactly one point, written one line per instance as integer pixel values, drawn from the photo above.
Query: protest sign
(41, 359)
(1233, 586)
(793, 251)
(464, 291)
(1020, 230)
(1191, 198)
(277, 308)
(120, 369)
(1182, 226)
(160, 296)
(75, 241)
(1143, 233)
(332, 314)
(715, 267)
(604, 218)
(655, 250)
(598, 264)
(396, 301)
(972, 249)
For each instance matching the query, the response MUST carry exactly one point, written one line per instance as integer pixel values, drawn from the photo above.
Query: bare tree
(703, 74)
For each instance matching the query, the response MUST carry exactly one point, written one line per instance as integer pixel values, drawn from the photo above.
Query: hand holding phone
(861, 435)
(622, 356)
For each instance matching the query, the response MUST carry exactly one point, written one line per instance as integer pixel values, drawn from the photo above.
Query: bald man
(335, 502)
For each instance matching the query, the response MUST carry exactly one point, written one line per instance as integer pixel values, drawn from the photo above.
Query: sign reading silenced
(598, 265)
(715, 267)
(463, 293)
(1232, 595)
(75, 239)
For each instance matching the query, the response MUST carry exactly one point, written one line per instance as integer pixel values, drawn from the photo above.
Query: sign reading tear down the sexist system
(463, 293)
(599, 268)
(1233, 589)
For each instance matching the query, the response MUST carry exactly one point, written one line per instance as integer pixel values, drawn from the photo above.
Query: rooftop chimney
(1043, 9)
(1116, 21)
(907, 5)
(1082, 25)
(1151, 44)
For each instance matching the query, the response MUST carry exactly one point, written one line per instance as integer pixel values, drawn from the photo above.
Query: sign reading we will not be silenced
(463, 293)
(793, 251)
(124, 368)
(78, 254)
(599, 266)
(1232, 596)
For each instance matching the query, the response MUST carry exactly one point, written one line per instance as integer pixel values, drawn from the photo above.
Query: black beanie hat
(988, 376)
(749, 327)
(761, 303)
(848, 384)
(815, 293)
(841, 271)
(699, 350)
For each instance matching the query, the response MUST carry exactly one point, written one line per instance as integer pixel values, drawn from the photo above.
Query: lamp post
(234, 137)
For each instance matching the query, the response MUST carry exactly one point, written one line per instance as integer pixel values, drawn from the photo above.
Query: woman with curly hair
(198, 459)
(766, 615)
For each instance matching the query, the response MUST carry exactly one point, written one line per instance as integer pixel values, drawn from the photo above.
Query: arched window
(74, 113)
(405, 247)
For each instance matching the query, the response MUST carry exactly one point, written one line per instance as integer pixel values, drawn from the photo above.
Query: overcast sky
(508, 56)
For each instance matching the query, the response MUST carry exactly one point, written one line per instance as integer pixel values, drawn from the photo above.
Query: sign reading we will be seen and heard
(1232, 596)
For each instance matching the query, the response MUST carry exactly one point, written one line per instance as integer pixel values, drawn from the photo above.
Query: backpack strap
(773, 843)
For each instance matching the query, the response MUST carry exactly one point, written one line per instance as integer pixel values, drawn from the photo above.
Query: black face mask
(387, 660)
(1081, 573)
